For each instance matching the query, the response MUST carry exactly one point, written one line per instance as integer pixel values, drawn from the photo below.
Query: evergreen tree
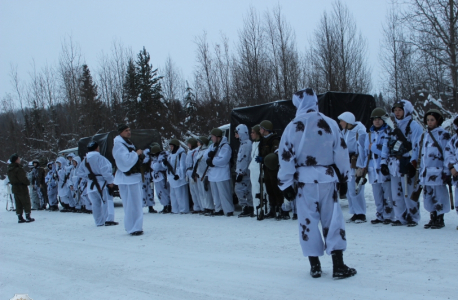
(190, 106)
(130, 95)
(90, 120)
(149, 91)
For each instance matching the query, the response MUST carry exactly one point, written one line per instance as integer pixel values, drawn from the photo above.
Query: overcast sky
(33, 30)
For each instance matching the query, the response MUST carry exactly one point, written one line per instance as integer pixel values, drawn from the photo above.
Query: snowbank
(63, 255)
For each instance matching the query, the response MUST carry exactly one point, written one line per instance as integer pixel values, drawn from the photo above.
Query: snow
(63, 255)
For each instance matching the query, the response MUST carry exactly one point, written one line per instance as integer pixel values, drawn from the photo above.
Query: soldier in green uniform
(268, 144)
(20, 183)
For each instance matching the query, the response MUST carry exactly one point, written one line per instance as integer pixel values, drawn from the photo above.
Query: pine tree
(90, 120)
(190, 106)
(130, 95)
(149, 91)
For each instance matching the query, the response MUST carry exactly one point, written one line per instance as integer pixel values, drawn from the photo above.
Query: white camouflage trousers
(131, 196)
(222, 196)
(319, 202)
(405, 209)
(383, 201)
(436, 198)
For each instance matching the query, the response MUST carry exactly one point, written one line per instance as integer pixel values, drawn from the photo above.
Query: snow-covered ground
(64, 256)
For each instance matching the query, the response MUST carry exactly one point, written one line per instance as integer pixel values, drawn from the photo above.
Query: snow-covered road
(64, 256)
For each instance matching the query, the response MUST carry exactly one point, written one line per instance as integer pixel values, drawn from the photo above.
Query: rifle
(450, 194)
(416, 193)
(93, 177)
(451, 166)
(194, 174)
(259, 208)
(213, 153)
(362, 180)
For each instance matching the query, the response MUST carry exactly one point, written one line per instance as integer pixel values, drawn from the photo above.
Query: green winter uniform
(266, 146)
(20, 183)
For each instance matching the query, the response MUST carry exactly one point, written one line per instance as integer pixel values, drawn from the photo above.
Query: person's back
(313, 160)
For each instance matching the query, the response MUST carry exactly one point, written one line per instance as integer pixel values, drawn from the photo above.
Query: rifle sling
(94, 181)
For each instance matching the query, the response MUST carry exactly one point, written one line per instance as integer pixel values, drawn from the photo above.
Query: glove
(384, 169)
(411, 171)
(239, 178)
(446, 179)
(209, 162)
(342, 187)
(259, 159)
(289, 193)
(176, 177)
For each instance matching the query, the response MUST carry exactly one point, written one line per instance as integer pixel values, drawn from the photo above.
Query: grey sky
(33, 30)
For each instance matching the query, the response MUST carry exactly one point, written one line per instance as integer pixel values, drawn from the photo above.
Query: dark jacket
(18, 179)
(268, 145)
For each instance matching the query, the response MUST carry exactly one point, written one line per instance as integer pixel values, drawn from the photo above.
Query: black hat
(13, 158)
(122, 127)
(92, 146)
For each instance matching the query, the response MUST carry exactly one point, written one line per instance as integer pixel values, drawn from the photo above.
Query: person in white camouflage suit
(313, 165)
(433, 173)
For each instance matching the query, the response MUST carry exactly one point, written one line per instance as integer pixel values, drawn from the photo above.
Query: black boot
(28, 219)
(208, 212)
(439, 223)
(315, 266)
(21, 219)
(294, 217)
(247, 211)
(340, 270)
(151, 210)
(285, 215)
(433, 217)
(272, 212)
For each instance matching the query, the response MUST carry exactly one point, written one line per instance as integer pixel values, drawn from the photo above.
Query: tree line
(59, 104)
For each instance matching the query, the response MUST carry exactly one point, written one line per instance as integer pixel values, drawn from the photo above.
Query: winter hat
(348, 117)
(174, 142)
(13, 158)
(122, 127)
(399, 104)
(378, 113)
(155, 149)
(192, 142)
(267, 125)
(256, 129)
(217, 132)
(92, 146)
(36, 161)
(203, 140)
(436, 114)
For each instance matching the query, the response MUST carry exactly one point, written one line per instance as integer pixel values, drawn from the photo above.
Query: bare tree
(283, 54)
(339, 53)
(434, 24)
(400, 71)
(70, 62)
(172, 81)
(252, 76)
